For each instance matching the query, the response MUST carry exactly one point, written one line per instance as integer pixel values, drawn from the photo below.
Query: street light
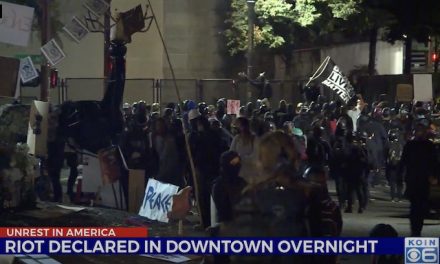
(250, 51)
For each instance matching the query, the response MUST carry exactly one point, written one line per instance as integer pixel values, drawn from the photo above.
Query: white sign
(27, 70)
(233, 107)
(158, 200)
(38, 128)
(97, 7)
(16, 24)
(423, 87)
(53, 53)
(76, 29)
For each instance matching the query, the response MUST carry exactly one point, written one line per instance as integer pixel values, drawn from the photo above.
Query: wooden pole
(179, 98)
(45, 37)
(107, 45)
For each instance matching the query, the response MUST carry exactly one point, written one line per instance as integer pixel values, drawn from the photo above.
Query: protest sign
(27, 70)
(158, 200)
(423, 87)
(53, 53)
(109, 195)
(404, 92)
(233, 107)
(76, 29)
(110, 163)
(38, 128)
(16, 24)
(97, 7)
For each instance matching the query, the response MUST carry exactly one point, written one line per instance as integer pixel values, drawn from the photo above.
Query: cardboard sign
(16, 24)
(38, 128)
(233, 107)
(136, 190)
(109, 195)
(110, 164)
(404, 92)
(423, 87)
(9, 76)
(158, 200)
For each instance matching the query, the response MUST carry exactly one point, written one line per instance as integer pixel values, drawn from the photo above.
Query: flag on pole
(331, 76)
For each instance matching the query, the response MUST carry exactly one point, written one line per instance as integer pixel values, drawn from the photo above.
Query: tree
(281, 24)
(413, 20)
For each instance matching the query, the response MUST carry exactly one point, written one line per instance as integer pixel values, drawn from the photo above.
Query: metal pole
(250, 51)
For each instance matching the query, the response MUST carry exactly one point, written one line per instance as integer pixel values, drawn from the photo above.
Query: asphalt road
(380, 210)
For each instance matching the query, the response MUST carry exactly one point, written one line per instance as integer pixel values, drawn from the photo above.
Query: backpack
(395, 152)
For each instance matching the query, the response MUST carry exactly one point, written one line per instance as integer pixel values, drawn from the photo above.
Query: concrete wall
(192, 30)
(389, 58)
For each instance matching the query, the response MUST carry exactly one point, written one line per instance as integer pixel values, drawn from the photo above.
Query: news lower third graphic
(421, 250)
(135, 240)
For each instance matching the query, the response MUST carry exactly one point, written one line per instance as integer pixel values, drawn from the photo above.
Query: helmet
(126, 106)
(203, 108)
(190, 105)
(155, 107)
(314, 172)
(386, 113)
(378, 112)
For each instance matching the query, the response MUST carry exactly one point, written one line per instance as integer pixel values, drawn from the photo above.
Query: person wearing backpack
(280, 204)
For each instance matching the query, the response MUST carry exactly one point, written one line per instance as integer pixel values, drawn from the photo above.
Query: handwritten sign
(16, 24)
(158, 200)
(233, 107)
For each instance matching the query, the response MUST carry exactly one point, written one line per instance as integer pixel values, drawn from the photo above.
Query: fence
(163, 90)
(210, 90)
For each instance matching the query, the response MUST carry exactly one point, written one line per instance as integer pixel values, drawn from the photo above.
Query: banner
(412, 249)
(158, 200)
(329, 75)
(16, 24)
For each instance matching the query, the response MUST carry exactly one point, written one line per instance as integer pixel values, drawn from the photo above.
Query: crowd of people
(264, 172)
(357, 145)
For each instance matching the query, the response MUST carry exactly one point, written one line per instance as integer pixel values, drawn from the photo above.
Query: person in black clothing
(318, 150)
(226, 189)
(206, 150)
(280, 115)
(419, 160)
(356, 162)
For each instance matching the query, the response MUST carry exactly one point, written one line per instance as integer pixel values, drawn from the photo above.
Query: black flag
(331, 76)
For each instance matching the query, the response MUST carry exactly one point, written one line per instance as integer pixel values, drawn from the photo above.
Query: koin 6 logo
(421, 250)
